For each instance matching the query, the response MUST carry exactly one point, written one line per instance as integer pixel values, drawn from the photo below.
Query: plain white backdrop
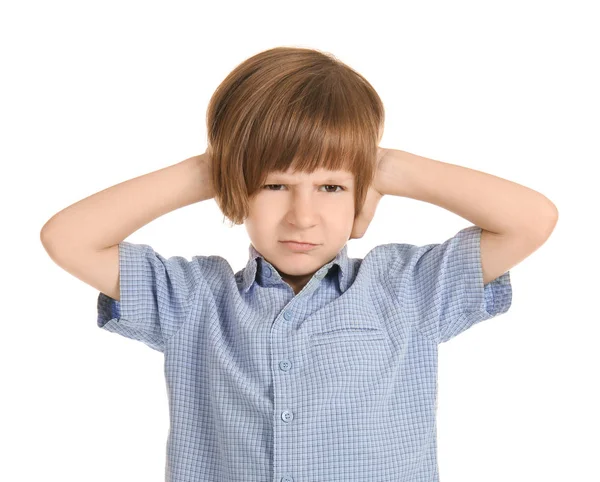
(95, 93)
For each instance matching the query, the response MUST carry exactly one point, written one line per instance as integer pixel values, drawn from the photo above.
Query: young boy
(306, 365)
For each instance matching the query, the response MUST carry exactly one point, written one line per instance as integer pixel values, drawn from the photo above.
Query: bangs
(317, 123)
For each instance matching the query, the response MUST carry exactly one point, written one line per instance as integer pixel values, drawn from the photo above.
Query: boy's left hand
(362, 221)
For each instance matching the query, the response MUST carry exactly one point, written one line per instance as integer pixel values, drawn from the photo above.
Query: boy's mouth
(298, 242)
(299, 246)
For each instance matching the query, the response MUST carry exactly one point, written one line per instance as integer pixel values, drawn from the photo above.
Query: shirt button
(287, 478)
(285, 365)
(287, 315)
(287, 416)
(268, 272)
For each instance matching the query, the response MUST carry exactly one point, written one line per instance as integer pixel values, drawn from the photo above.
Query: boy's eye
(267, 186)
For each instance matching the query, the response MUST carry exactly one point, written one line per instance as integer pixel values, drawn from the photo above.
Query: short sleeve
(442, 286)
(154, 298)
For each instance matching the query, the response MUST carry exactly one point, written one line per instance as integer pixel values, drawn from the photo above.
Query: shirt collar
(258, 266)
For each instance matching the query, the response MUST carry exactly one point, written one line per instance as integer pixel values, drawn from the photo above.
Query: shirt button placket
(287, 416)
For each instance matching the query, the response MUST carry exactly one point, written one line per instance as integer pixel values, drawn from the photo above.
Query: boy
(307, 365)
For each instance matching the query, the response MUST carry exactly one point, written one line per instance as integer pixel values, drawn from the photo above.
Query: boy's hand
(364, 218)
(202, 165)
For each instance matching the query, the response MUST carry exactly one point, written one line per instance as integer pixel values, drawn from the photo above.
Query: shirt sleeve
(442, 286)
(154, 298)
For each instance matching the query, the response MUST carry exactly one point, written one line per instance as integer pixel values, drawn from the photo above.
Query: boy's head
(303, 121)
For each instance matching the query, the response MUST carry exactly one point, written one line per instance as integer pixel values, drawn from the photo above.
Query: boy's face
(302, 207)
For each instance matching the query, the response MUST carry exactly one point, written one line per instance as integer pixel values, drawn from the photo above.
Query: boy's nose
(303, 212)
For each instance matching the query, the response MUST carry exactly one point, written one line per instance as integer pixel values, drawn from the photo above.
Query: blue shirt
(336, 383)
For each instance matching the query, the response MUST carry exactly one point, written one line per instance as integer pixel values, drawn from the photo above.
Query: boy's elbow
(50, 241)
(45, 231)
(44, 236)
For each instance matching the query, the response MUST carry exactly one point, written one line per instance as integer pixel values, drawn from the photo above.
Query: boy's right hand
(204, 162)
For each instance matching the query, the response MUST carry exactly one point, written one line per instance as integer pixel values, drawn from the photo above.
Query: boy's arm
(108, 217)
(83, 238)
(515, 220)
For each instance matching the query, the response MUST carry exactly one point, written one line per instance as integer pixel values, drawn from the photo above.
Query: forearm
(108, 217)
(488, 201)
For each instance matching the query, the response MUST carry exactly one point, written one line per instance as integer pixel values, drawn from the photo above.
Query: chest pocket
(349, 367)
(345, 335)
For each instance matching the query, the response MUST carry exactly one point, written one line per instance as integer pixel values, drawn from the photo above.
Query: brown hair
(296, 108)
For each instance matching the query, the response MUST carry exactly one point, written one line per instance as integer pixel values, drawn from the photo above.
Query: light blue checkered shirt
(337, 383)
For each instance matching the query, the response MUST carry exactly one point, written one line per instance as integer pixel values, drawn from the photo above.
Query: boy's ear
(364, 218)
(358, 230)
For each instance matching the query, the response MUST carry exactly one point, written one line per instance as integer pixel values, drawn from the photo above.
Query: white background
(95, 93)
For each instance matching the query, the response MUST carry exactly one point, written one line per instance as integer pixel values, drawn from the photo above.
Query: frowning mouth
(298, 242)
(299, 246)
